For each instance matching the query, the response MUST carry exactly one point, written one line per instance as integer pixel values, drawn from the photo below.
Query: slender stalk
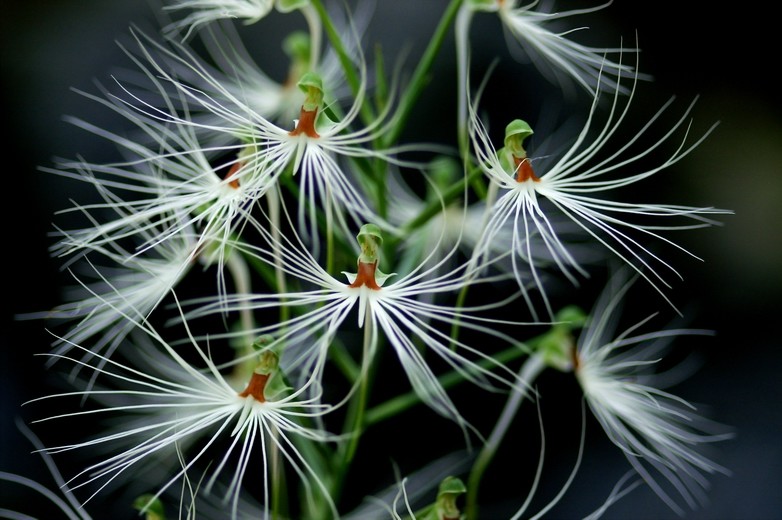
(421, 75)
(279, 504)
(530, 370)
(316, 33)
(339, 355)
(358, 411)
(273, 197)
(355, 423)
(402, 402)
(329, 232)
(353, 79)
(240, 273)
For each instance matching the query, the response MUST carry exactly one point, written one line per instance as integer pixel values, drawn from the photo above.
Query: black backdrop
(728, 58)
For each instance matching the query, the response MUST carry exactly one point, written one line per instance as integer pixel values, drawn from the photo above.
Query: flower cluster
(352, 275)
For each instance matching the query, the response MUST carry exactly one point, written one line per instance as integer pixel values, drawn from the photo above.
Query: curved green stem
(403, 402)
(240, 273)
(273, 198)
(353, 78)
(316, 33)
(459, 304)
(421, 74)
(328, 210)
(278, 502)
(356, 420)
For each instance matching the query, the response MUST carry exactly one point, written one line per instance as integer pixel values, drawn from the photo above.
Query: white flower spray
(278, 391)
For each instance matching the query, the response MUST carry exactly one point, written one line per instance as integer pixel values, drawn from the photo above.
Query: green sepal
(247, 152)
(151, 506)
(276, 387)
(445, 508)
(515, 133)
(269, 365)
(312, 86)
(370, 238)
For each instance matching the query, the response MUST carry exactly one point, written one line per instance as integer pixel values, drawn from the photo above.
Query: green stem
(279, 504)
(240, 273)
(530, 370)
(273, 198)
(403, 402)
(353, 79)
(290, 185)
(356, 421)
(459, 304)
(380, 166)
(339, 355)
(329, 232)
(316, 34)
(421, 74)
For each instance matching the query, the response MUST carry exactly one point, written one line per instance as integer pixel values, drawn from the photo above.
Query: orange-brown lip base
(306, 124)
(234, 183)
(255, 387)
(524, 171)
(366, 276)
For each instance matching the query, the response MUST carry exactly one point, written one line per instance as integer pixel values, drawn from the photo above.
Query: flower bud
(151, 506)
(297, 46)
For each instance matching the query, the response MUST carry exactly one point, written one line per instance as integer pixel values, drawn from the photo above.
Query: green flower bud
(152, 507)
(444, 171)
(261, 342)
(297, 46)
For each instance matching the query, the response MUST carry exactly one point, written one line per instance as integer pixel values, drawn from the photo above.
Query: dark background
(727, 58)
